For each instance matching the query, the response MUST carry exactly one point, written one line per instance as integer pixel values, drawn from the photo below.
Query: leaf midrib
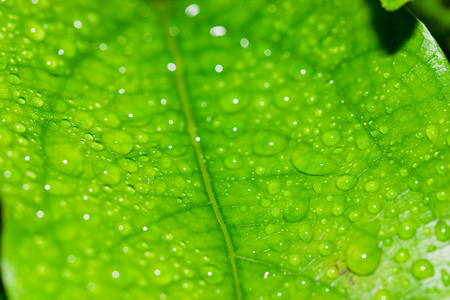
(192, 131)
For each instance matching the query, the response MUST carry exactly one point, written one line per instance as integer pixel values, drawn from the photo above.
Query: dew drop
(233, 162)
(442, 231)
(267, 143)
(312, 162)
(118, 141)
(331, 138)
(363, 141)
(363, 255)
(401, 256)
(346, 182)
(36, 102)
(305, 232)
(432, 132)
(407, 229)
(296, 210)
(326, 248)
(13, 79)
(422, 268)
(371, 186)
(274, 187)
(35, 31)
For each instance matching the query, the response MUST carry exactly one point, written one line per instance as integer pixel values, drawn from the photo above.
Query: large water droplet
(278, 243)
(432, 132)
(267, 143)
(311, 162)
(305, 232)
(422, 268)
(442, 231)
(63, 155)
(331, 138)
(296, 209)
(407, 229)
(233, 162)
(211, 274)
(363, 255)
(118, 141)
(13, 79)
(34, 31)
(346, 182)
(363, 141)
(83, 120)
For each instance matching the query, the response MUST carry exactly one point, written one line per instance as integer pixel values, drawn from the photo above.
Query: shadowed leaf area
(222, 150)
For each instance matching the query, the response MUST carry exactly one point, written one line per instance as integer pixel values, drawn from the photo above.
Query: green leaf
(222, 150)
(436, 14)
(391, 5)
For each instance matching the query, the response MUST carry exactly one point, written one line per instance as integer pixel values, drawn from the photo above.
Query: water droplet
(267, 143)
(232, 104)
(233, 162)
(371, 186)
(374, 207)
(296, 209)
(441, 168)
(354, 216)
(346, 182)
(331, 138)
(278, 243)
(36, 102)
(97, 146)
(326, 248)
(108, 118)
(422, 268)
(407, 229)
(303, 282)
(415, 183)
(363, 141)
(269, 229)
(441, 195)
(305, 232)
(332, 272)
(383, 294)
(265, 202)
(211, 274)
(442, 231)
(384, 129)
(128, 165)
(274, 187)
(64, 156)
(118, 141)
(445, 277)
(312, 162)
(34, 31)
(3, 63)
(109, 174)
(13, 79)
(432, 132)
(363, 255)
(83, 120)
(371, 106)
(401, 256)
(337, 210)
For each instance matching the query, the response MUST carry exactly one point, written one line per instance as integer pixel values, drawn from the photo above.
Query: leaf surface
(392, 5)
(222, 150)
